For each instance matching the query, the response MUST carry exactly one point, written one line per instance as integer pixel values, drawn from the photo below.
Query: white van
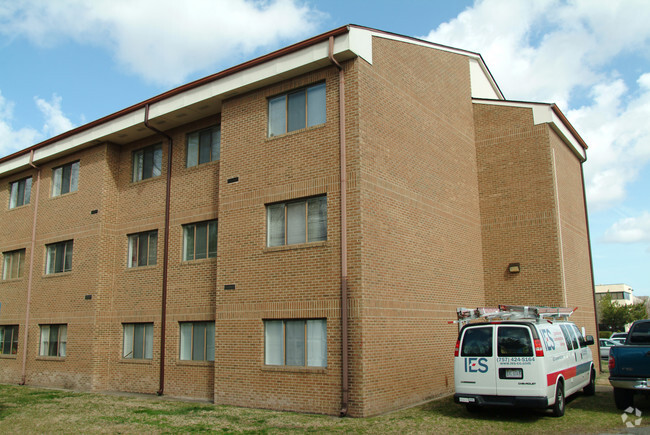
(525, 360)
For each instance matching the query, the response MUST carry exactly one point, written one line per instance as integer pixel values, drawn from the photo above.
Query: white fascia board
(543, 114)
(482, 86)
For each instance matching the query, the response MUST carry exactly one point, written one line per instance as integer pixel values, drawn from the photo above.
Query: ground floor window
(295, 342)
(54, 340)
(9, 339)
(138, 341)
(197, 341)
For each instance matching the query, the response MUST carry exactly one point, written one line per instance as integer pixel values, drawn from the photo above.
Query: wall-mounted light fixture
(514, 268)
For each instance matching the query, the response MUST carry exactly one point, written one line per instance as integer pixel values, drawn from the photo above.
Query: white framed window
(8, 339)
(298, 109)
(54, 340)
(138, 341)
(300, 221)
(197, 341)
(65, 179)
(204, 146)
(20, 192)
(147, 162)
(200, 240)
(13, 264)
(143, 249)
(59, 257)
(295, 342)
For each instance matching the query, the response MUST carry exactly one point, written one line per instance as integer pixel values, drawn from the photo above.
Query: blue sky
(68, 62)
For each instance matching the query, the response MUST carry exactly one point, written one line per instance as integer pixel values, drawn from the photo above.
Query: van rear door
(517, 367)
(475, 367)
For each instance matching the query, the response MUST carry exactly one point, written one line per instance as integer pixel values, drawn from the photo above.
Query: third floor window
(147, 162)
(65, 179)
(296, 110)
(203, 146)
(19, 192)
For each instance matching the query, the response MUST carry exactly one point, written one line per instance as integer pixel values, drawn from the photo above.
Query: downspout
(344, 239)
(31, 267)
(591, 263)
(163, 315)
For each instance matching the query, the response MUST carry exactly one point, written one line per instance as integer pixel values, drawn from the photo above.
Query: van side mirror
(589, 339)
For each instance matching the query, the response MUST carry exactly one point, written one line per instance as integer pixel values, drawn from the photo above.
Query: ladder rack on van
(509, 312)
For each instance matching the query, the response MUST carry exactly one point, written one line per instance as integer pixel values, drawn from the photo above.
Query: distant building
(622, 294)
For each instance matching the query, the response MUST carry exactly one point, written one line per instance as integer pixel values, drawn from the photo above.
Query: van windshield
(477, 342)
(514, 341)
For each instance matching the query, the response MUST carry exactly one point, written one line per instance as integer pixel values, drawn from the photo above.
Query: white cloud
(12, 139)
(551, 50)
(630, 230)
(162, 40)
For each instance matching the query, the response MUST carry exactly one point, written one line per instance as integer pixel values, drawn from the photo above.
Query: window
(578, 334)
(138, 341)
(14, 264)
(514, 341)
(297, 221)
(19, 192)
(65, 179)
(203, 146)
(8, 339)
(567, 337)
(477, 342)
(296, 110)
(147, 162)
(197, 341)
(143, 248)
(295, 343)
(54, 339)
(59, 257)
(200, 240)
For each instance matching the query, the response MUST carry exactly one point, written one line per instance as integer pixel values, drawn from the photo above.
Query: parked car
(605, 344)
(629, 365)
(618, 336)
(618, 340)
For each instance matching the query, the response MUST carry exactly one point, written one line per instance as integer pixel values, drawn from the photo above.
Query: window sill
(290, 133)
(145, 180)
(199, 261)
(182, 362)
(136, 361)
(50, 358)
(63, 194)
(5, 356)
(202, 165)
(18, 207)
(136, 268)
(295, 246)
(11, 280)
(57, 274)
(295, 369)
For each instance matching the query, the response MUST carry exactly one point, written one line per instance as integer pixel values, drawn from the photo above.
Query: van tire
(623, 398)
(590, 388)
(558, 406)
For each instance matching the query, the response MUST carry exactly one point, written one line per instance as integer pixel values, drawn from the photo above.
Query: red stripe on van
(551, 378)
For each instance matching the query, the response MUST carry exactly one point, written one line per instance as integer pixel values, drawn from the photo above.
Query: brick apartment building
(199, 244)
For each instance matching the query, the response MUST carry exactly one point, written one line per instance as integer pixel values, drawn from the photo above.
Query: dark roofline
(251, 63)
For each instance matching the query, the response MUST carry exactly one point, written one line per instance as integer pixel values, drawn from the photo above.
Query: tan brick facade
(442, 193)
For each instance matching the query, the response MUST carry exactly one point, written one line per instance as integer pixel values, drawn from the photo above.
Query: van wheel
(558, 407)
(590, 388)
(623, 398)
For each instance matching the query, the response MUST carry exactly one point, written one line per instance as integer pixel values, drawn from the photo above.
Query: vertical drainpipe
(163, 315)
(344, 239)
(31, 267)
(591, 263)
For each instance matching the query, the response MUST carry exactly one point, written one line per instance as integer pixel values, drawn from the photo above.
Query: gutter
(23, 375)
(163, 314)
(344, 240)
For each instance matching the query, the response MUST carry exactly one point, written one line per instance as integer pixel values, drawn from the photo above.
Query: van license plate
(514, 374)
(466, 399)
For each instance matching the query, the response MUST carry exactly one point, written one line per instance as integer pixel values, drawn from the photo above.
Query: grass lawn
(31, 410)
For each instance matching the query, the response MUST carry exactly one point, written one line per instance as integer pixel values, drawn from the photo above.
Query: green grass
(30, 410)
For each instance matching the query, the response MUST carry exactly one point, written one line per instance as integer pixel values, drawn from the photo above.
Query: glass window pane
(128, 341)
(147, 168)
(132, 255)
(28, 190)
(188, 242)
(138, 165)
(296, 223)
(316, 105)
(65, 182)
(198, 342)
(273, 343)
(5, 340)
(275, 224)
(68, 256)
(56, 181)
(295, 342)
(317, 343)
(201, 241)
(14, 346)
(477, 342)
(6, 267)
(138, 341)
(143, 249)
(216, 143)
(277, 116)
(209, 340)
(60, 257)
(212, 239)
(74, 177)
(186, 341)
(63, 340)
(45, 340)
(148, 341)
(317, 219)
(205, 146)
(21, 192)
(49, 262)
(296, 111)
(54, 341)
(192, 150)
(514, 341)
(13, 196)
(153, 247)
